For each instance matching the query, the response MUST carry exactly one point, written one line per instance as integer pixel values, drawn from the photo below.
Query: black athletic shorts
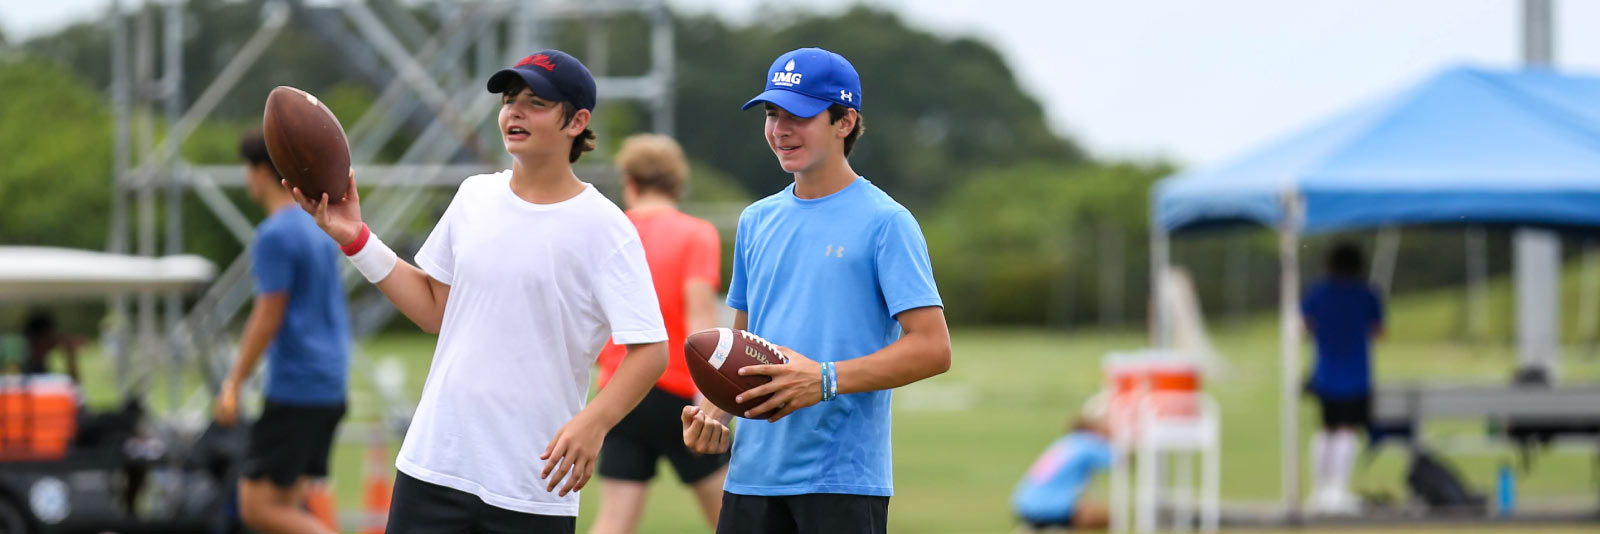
(1048, 525)
(291, 441)
(815, 513)
(422, 508)
(654, 429)
(1350, 411)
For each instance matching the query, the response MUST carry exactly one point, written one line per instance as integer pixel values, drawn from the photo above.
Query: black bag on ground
(1439, 486)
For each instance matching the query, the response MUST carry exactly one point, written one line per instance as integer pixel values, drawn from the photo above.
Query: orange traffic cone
(378, 487)
(319, 500)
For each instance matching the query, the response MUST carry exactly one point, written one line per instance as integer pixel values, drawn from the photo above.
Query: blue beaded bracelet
(826, 386)
(833, 381)
(830, 381)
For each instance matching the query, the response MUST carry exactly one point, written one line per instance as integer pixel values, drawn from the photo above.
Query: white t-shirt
(535, 292)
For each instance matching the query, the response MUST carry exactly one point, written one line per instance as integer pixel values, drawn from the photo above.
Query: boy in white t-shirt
(525, 277)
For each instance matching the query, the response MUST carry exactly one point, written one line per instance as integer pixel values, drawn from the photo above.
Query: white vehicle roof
(41, 273)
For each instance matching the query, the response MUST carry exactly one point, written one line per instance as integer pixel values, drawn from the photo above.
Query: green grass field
(963, 438)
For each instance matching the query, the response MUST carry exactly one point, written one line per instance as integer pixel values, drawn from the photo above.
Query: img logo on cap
(806, 81)
(788, 77)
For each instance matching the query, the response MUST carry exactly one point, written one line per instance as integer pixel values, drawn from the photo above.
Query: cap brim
(795, 103)
(540, 86)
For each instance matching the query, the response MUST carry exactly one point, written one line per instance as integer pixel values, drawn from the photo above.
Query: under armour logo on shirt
(831, 252)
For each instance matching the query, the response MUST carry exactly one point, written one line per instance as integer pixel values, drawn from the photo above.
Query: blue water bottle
(1508, 490)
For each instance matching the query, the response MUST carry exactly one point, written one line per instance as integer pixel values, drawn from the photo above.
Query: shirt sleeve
(705, 256)
(904, 272)
(1377, 307)
(272, 262)
(1308, 304)
(1101, 456)
(437, 256)
(628, 297)
(736, 283)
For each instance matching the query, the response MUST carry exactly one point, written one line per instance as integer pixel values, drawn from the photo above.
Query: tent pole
(117, 242)
(1289, 312)
(1160, 262)
(1536, 269)
(1478, 327)
(1385, 253)
(1588, 294)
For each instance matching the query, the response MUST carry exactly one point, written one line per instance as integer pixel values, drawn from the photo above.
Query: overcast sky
(1191, 81)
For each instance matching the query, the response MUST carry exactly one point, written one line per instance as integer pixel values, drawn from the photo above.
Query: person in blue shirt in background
(299, 320)
(1050, 495)
(1344, 314)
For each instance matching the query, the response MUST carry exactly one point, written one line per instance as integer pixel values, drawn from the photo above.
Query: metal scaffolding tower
(429, 83)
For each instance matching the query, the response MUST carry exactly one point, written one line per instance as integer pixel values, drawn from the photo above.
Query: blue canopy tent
(1467, 145)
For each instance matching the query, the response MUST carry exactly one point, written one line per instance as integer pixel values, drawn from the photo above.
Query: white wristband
(375, 260)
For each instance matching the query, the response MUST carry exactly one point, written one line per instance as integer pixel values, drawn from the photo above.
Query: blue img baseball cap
(551, 74)
(806, 81)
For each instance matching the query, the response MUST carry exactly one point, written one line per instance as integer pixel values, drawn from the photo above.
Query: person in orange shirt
(685, 257)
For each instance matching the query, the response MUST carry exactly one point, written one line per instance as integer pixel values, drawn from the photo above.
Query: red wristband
(361, 241)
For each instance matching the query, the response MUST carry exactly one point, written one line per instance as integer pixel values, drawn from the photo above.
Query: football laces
(770, 347)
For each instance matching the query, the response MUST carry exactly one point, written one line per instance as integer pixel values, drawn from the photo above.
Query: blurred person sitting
(1344, 314)
(1051, 494)
(41, 340)
(13, 349)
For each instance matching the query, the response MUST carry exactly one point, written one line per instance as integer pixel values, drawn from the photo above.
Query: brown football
(306, 143)
(715, 357)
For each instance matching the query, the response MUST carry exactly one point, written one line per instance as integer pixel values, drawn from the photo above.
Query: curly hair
(653, 162)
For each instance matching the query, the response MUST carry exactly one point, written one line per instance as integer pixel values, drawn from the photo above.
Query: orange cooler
(1129, 377)
(38, 417)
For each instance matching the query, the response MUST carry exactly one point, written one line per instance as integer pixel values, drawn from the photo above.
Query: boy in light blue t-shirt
(837, 273)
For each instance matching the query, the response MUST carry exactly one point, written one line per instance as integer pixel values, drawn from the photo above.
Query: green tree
(214, 33)
(57, 157)
(939, 109)
(1018, 245)
(946, 117)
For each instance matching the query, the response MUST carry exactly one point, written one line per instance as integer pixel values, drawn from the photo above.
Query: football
(306, 143)
(715, 357)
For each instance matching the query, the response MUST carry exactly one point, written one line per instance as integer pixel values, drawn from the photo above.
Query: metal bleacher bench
(1414, 403)
(1518, 416)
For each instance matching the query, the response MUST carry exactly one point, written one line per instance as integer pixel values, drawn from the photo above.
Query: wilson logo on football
(764, 343)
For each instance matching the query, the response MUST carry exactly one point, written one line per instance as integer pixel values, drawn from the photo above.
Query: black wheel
(11, 519)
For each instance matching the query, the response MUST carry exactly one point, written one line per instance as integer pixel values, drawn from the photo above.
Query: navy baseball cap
(806, 81)
(551, 74)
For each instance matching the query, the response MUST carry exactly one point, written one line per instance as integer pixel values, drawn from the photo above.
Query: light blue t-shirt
(826, 278)
(309, 357)
(1049, 492)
